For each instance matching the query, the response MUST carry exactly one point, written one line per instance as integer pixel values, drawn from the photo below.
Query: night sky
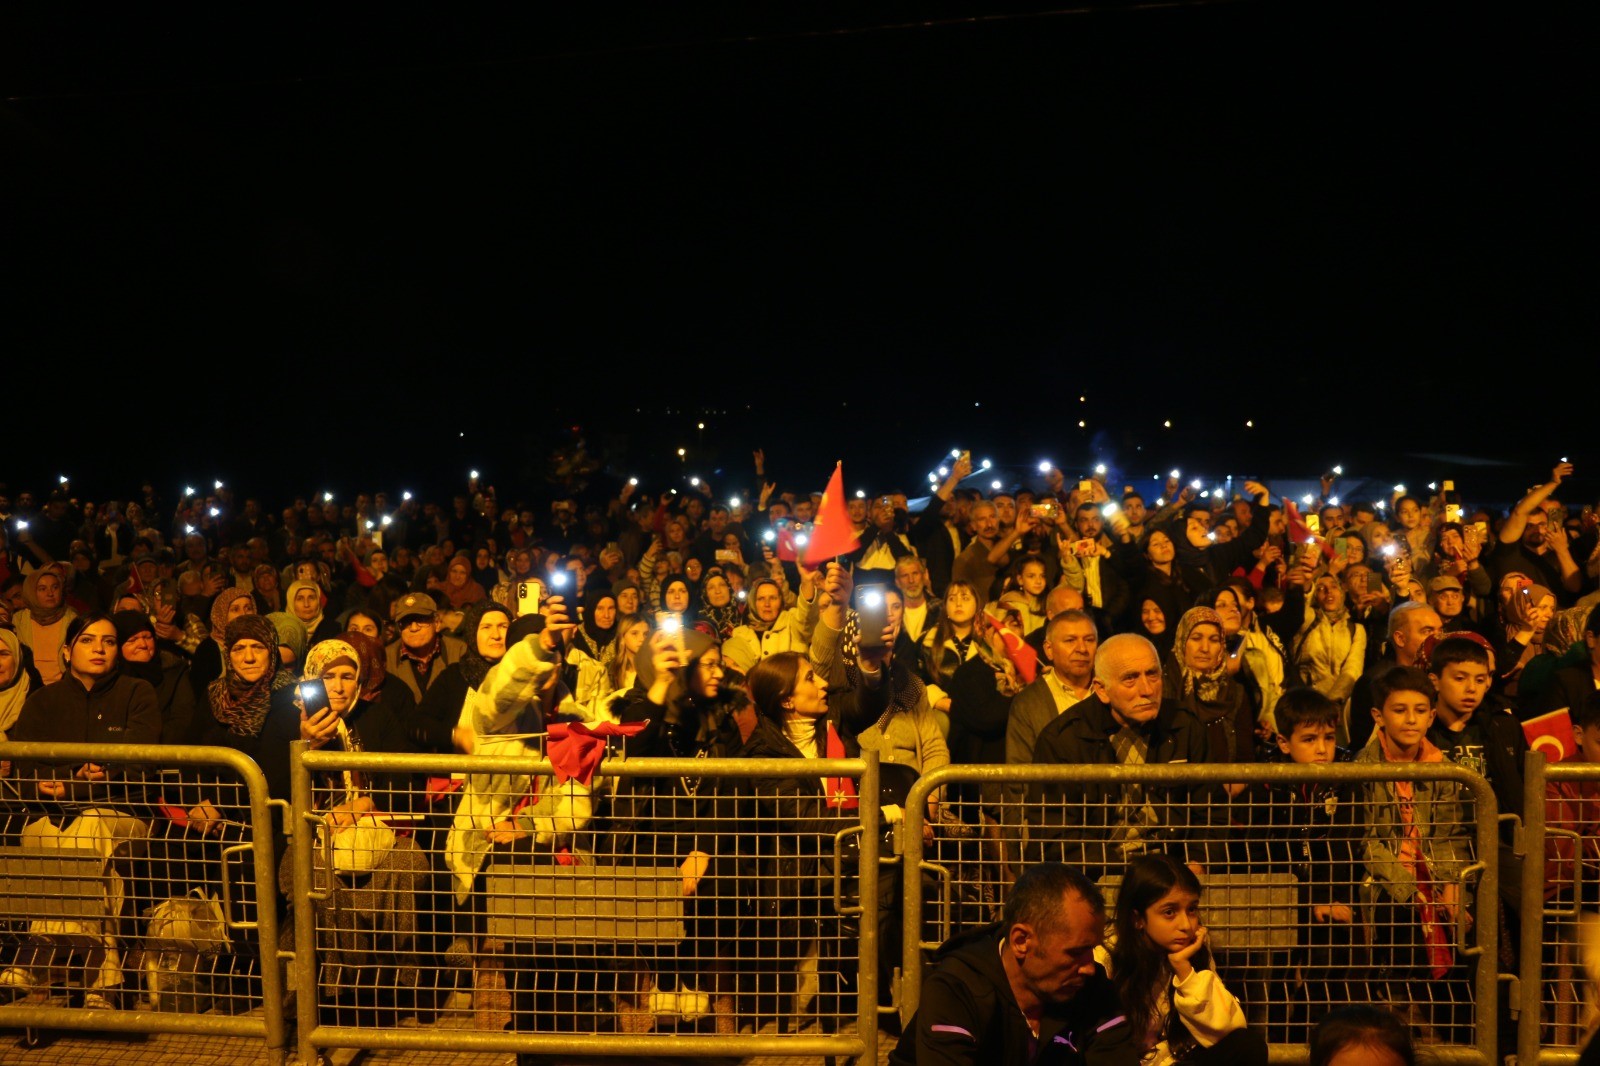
(319, 252)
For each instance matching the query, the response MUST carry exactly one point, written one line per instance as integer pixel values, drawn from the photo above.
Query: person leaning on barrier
(1125, 723)
(86, 805)
(1025, 989)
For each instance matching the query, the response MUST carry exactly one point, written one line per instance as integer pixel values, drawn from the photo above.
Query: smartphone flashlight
(1174, 474)
(387, 519)
(871, 599)
(672, 623)
(1195, 484)
(801, 539)
(1338, 470)
(1044, 466)
(558, 580)
(1388, 549)
(473, 474)
(769, 536)
(694, 481)
(188, 492)
(23, 525)
(214, 512)
(1109, 509)
(369, 523)
(405, 495)
(955, 453)
(742, 594)
(327, 497)
(634, 482)
(986, 464)
(733, 502)
(1211, 535)
(188, 529)
(1100, 468)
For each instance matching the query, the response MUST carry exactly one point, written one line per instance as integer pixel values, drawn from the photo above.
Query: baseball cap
(413, 605)
(1439, 584)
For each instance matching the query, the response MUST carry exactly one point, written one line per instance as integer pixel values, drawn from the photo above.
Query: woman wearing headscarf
(678, 596)
(166, 672)
(292, 638)
(718, 607)
(42, 625)
(206, 663)
(459, 587)
(15, 684)
(308, 602)
(1526, 616)
(1200, 676)
(589, 654)
(268, 590)
(436, 725)
(372, 916)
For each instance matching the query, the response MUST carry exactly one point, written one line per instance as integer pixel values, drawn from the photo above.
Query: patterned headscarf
(372, 667)
(325, 654)
(1519, 609)
(219, 610)
(1208, 686)
(242, 705)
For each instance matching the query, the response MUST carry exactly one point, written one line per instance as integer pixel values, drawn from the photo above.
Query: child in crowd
(1159, 961)
(1362, 1035)
(1417, 844)
(1312, 832)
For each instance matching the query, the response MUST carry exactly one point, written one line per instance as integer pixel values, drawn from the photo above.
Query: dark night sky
(1333, 219)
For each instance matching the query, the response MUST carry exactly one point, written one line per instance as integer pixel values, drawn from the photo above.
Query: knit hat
(131, 623)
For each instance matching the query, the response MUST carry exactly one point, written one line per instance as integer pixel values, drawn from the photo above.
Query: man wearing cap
(422, 652)
(1447, 596)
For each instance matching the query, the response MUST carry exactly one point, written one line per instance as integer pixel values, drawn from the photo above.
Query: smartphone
(769, 536)
(527, 598)
(559, 579)
(671, 623)
(314, 695)
(1046, 511)
(1085, 487)
(967, 455)
(872, 611)
(1083, 548)
(1313, 522)
(726, 556)
(377, 538)
(1452, 512)
(1341, 545)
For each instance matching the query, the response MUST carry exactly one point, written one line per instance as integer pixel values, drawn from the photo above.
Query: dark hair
(76, 627)
(1401, 679)
(1453, 650)
(1036, 898)
(1303, 706)
(773, 680)
(1363, 1024)
(1593, 624)
(1140, 969)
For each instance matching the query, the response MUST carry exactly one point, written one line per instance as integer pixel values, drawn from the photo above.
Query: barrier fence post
(871, 908)
(1530, 976)
(911, 898)
(304, 965)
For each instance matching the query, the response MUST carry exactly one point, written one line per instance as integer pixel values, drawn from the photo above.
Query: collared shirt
(1064, 695)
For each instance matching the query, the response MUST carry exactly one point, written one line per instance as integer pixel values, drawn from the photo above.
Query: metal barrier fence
(1562, 812)
(1311, 888)
(130, 877)
(671, 907)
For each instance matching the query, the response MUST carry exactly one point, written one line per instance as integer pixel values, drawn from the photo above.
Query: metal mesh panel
(128, 884)
(697, 900)
(1316, 892)
(1569, 878)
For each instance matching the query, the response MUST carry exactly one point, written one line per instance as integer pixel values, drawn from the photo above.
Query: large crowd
(1069, 624)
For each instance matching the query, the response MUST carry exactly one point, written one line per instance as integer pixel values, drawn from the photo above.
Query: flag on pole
(1299, 532)
(832, 535)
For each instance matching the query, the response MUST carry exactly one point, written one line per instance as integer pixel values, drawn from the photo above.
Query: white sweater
(1208, 1009)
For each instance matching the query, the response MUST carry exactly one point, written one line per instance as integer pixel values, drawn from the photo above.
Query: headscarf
(288, 603)
(689, 612)
(130, 624)
(30, 585)
(1566, 628)
(1207, 686)
(242, 705)
(326, 653)
(291, 633)
(219, 610)
(372, 667)
(470, 593)
(1519, 610)
(596, 641)
(277, 588)
(723, 618)
(14, 692)
(474, 667)
(1169, 610)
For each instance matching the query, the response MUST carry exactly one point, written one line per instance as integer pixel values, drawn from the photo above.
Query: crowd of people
(1071, 624)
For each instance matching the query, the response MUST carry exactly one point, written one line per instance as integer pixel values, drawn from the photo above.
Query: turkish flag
(1299, 532)
(832, 535)
(841, 790)
(1552, 734)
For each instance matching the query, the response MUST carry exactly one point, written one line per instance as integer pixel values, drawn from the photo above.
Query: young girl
(1161, 967)
(1362, 1035)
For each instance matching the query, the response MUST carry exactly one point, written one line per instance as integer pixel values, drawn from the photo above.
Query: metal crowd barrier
(1296, 929)
(1562, 872)
(672, 907)
(130, 893)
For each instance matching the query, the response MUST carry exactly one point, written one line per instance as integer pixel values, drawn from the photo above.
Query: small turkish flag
(833, 534)
(841, 790)
(1552, 734)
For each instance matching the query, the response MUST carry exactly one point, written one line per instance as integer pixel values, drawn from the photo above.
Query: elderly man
(1410, 624)
(1125, 722)
(1025, 989)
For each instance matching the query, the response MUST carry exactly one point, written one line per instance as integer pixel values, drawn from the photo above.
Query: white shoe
(662, 1004)
(93, 1000)
(693, 1005)
(17, 981)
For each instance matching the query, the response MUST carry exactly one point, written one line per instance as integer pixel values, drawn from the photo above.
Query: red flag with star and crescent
(832, 535)
(841, 790)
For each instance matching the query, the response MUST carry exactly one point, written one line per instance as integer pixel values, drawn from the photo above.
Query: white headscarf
(15, 692)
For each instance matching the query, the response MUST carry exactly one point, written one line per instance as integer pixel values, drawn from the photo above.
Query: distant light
(694, 481)
(461, 434)
(995, 485)
(1100, 468)
(861, 494)
(1401, 489)
(1338, 470)
(327, 497)
(633, 481)
(1083, 399)
(1307, 499)
(387, 519)
(699, 425)
(1333, 501)
(405, 495)
(944, 471)
(986, 464)
(1249, 424)
(1175, 474)
(473, 474)
(1168, 424)
(681, 453)
(1044, 466)
(955, 453)
(1081, 423)
(188, 492)
(216, 484)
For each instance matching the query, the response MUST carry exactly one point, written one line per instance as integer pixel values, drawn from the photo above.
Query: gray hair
(1114, 645)
(1397, 616)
